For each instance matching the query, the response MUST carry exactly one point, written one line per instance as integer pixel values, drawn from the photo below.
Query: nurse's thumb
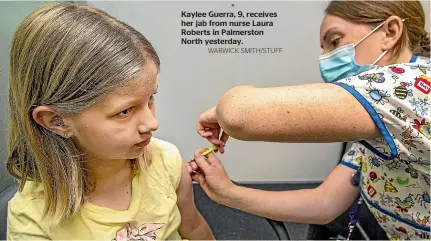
(201, 162)
(212, 160)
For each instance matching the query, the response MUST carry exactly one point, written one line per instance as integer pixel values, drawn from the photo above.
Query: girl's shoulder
(31, 190)
(161, 146)
(28, 203)
(164, 159)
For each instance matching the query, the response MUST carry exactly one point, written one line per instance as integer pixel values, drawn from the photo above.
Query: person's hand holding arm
(209, 128)
(319, 205)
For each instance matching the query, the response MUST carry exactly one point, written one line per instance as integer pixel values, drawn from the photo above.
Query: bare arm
(301, 113)
(317, 206)
(193, 225)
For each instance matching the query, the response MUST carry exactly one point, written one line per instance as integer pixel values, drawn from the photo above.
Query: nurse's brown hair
(414, 36)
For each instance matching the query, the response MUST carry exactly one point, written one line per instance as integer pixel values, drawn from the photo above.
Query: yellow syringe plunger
(209, 151)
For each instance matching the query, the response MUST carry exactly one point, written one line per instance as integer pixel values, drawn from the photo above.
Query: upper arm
(186, 203)
(181, 181)
(303, 113)
(337, 189)
(185, 191)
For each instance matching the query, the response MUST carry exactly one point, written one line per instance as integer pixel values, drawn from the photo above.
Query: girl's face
(120, 125)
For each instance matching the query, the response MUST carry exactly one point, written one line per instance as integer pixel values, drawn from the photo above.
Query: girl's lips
(143, 143)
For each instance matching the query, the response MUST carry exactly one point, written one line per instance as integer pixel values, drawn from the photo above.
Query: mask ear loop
(383, 54)
(366, 36)
(380, 57)
(373, 32)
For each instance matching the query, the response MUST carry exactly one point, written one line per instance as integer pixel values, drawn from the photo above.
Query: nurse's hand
(211, 176)
(209, 128)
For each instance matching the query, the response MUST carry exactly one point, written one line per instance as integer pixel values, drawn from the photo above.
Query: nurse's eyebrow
(330, 32)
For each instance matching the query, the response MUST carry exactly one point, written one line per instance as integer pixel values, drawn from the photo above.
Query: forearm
(302, 113)
(198, 229)
(300, 206)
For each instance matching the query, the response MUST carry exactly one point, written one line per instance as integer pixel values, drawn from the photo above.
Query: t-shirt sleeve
(173, 161)
(394, 96)
(353, 157)
(22, 221)
(176, 167)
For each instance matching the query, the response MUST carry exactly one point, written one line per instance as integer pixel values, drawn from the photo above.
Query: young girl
(81, 102)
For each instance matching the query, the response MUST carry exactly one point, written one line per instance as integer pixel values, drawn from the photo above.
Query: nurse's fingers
(205, 129)
(213, 160)
(224, 137)
(194, 167)
(189, 167)
(214, 139)
(220, 147)
(199, 178)
(200, 160)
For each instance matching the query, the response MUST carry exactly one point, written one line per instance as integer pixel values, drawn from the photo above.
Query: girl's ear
(51, 120)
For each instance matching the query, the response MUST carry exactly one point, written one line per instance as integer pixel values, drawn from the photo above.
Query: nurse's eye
(335, 42)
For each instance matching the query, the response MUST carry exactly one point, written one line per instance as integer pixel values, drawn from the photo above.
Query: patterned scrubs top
(395, 169)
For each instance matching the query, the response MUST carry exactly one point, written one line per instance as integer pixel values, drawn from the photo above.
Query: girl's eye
(125, 112)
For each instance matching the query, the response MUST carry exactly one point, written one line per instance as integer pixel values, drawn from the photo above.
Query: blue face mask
(340, 63)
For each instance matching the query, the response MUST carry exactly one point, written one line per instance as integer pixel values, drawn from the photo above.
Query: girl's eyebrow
(121, 104)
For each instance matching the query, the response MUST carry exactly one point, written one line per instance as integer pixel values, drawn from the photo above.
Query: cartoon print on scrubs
(395, 188)
(420, 106)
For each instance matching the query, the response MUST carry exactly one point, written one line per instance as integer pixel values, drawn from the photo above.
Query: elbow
(228, 121)
(323, 218)
(232, 110)
(327, 213)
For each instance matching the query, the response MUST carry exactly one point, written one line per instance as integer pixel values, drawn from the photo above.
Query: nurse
(377, 70)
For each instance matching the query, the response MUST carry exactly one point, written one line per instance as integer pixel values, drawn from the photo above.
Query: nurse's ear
(393, 31)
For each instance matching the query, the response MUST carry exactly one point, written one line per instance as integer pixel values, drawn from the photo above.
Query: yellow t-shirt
(152, 214)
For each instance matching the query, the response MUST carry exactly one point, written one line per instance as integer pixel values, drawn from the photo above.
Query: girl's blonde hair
(65, 56)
